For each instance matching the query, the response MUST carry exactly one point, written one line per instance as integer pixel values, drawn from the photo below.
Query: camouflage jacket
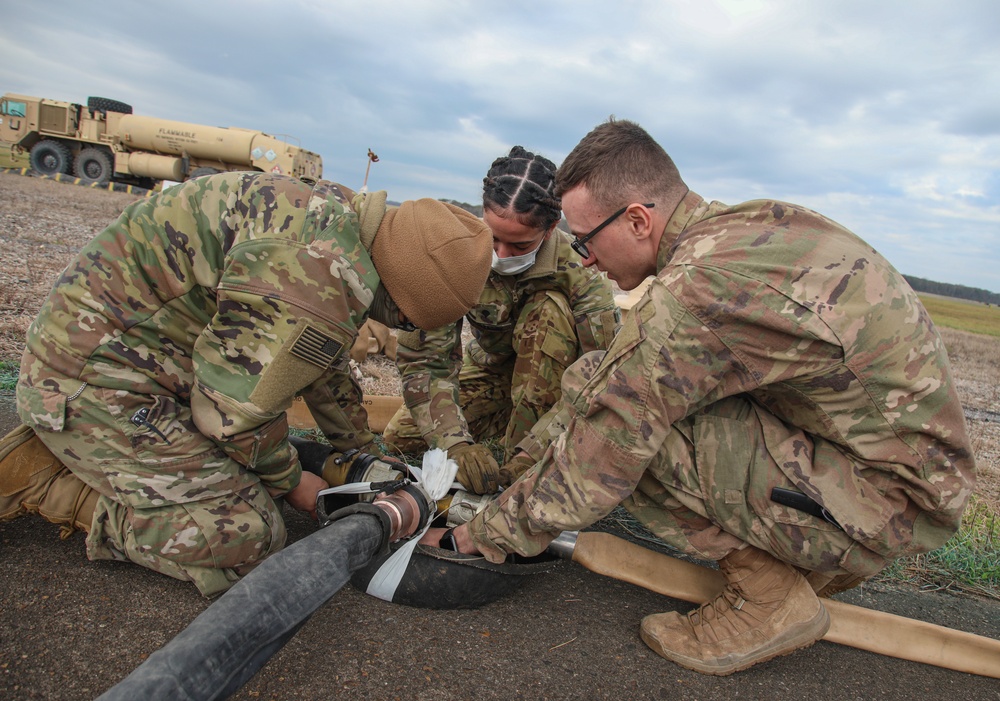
(234, 293)
(773, 301)
(429, 361)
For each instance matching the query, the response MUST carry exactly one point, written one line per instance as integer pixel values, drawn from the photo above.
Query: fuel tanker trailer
(104, 142)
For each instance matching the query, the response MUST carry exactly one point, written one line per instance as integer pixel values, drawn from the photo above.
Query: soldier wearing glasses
(778, 401)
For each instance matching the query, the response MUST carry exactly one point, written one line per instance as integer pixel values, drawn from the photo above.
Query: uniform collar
(689, 211)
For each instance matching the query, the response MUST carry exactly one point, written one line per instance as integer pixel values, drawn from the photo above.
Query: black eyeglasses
(580, 245)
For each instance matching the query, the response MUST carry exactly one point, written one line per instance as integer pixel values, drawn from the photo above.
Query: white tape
(435, 478)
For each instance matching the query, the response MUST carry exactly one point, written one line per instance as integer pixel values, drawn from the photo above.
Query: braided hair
(521, 185)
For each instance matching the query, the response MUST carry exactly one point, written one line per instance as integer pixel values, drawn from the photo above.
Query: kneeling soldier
(156, 377)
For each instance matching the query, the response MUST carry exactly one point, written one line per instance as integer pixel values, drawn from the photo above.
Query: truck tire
(93, 165)
(103, 104)
(50, 157)
(198, 172)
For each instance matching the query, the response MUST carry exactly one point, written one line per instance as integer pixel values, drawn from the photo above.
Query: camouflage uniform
(160, 366)
(774, 348)
(527, 330)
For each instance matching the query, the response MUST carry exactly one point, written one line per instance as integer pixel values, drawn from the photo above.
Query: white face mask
(514, 264)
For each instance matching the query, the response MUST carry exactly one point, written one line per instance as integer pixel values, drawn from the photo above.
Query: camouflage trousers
(708, 491)
(504, 400)
(170, 501)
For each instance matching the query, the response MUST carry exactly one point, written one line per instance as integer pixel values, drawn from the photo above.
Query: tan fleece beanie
(433, 259)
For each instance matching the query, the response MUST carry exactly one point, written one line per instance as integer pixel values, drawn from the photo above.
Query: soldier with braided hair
(540, 310)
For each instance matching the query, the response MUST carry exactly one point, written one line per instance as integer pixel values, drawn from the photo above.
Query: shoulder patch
(316, 347)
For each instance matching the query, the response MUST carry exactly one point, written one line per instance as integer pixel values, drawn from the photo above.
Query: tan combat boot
(32, 480)
(767, 609)
(827, 585)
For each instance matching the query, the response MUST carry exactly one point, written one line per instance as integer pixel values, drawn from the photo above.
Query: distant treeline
(948, 289)
(476, 209)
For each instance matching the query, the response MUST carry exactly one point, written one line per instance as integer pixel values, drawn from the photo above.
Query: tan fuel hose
(855, 626)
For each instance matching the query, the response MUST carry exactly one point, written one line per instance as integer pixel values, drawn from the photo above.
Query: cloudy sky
(882, 114)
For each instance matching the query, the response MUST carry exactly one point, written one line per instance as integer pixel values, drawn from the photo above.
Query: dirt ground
(70, 629)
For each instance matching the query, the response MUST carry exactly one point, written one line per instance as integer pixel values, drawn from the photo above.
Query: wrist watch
(447, 541)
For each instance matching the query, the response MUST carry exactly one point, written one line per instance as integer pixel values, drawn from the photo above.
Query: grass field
(962, 314)
(9, 370)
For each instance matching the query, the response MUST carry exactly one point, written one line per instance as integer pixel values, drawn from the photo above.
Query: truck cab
(16, 113)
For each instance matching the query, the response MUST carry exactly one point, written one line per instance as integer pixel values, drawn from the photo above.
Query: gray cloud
(884, 116)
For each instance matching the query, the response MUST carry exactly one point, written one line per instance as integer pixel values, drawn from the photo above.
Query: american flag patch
(316, 347)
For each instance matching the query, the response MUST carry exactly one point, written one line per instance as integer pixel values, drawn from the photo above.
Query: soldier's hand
(518, 465)
(303, 497)
(477, 469)
(462, 539)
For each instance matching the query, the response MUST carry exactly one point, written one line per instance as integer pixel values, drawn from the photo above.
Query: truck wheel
(103, 104)
(50, 157)
(198, 172)
(93, 166)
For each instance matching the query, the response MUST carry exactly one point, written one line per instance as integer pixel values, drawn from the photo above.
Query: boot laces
(722, 617)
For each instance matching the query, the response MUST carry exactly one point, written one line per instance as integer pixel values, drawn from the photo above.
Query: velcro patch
(316, 347)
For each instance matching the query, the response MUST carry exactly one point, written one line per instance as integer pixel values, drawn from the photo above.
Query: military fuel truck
(104, 142)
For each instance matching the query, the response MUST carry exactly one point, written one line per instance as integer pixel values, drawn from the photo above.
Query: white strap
(435, 478)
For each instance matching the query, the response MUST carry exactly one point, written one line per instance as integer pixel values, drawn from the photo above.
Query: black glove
(312, 454)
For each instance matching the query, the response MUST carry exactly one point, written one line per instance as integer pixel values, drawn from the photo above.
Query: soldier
(156, 377)
(540, 309)
(778, 400)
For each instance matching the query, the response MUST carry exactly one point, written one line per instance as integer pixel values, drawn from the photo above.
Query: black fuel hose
(238, 633)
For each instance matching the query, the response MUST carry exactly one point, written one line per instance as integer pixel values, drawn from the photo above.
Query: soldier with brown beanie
(156, 377)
